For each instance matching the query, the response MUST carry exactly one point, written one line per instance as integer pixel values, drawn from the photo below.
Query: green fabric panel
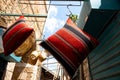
(97, 21)
(105, 59)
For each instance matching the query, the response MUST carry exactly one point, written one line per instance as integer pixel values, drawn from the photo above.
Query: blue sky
(57, 16)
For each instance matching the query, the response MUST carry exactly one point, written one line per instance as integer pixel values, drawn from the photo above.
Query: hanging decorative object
(70, 45)
(1, 42)
(3, 23)
(25, 47)
(15, 35)
(3, 26)
(42, 56)
(73, 17)
(35, 56)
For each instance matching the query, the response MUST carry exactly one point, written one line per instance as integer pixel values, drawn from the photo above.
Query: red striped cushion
(70, 46)
(15, 35)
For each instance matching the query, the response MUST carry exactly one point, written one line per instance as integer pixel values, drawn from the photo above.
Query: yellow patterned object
(37, 55)
(34, 55)
(3, 22)
(42, 57)
(25, 46)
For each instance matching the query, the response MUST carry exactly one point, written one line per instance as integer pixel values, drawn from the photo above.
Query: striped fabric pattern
(70, 46)
(15, 35)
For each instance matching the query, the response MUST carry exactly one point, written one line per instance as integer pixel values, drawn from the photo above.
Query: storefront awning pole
(26, 15)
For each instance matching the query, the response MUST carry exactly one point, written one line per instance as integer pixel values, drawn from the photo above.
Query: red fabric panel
(15, 36)
(13, 30)
(70, 22)
(74, 41)
(62, 48)
(95, 41)
(70, 45)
